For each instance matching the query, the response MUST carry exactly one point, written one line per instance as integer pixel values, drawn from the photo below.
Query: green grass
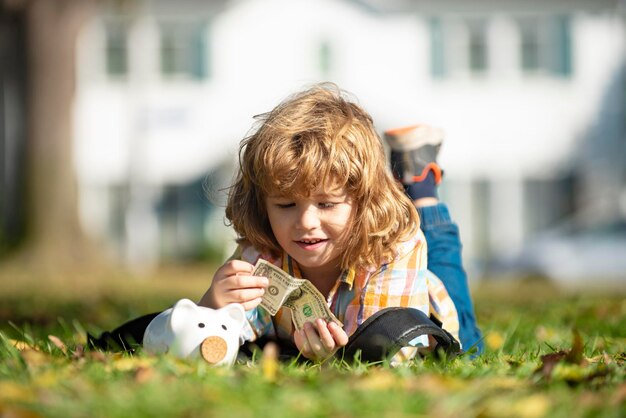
(522, 322)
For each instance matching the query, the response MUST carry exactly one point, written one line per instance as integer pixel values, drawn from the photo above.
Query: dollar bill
(307, 304)
(280, 287)
(299, 295)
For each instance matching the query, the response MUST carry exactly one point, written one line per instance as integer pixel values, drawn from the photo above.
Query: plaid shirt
(358, 294)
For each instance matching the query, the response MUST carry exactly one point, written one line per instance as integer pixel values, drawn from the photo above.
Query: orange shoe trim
(435, 169)
(401, 130)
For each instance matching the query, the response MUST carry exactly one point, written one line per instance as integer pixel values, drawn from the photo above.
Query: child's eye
(326, 205)
(285, 205)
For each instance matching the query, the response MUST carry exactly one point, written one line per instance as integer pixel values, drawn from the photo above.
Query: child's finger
(251, 304)
(325, 336)
(302, 343)
(243, 281)
(316, 345)
(338, 334)
(245, 295)
(236, 266)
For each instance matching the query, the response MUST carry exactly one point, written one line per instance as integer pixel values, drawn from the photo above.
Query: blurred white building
(168, 89)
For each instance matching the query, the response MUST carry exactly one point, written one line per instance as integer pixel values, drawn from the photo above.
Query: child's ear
(236, 312)
(182, 312)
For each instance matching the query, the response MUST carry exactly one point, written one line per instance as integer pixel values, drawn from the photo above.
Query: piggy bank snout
(213, 349)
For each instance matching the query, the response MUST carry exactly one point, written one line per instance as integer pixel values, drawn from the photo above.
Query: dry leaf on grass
(570, 365)
(20, 345)
(14, 411)
(269, 362)
(494, 340)
(58, 343)
(125, 364)
(575, 355)
(35, 358)
(15, 392)
(533, 406)
(619, 397)
(144, 374)
(378, 380)
(572, 356)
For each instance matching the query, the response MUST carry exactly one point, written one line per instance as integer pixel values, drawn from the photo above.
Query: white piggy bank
(189, 330)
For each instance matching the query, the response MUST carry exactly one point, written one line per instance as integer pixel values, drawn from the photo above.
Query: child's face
(313, 229)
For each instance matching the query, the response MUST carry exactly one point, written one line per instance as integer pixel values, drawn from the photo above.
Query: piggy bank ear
(236, 312)
(182, 312)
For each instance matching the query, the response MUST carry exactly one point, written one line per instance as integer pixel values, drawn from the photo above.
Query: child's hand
(320, 340)
(233, 283)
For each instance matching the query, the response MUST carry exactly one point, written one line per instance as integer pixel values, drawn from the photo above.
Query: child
(313, 196)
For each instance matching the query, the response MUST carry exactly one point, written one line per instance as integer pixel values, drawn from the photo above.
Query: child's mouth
(311, 244)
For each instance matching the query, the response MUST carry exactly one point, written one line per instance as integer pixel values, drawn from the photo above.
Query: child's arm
(234, 283)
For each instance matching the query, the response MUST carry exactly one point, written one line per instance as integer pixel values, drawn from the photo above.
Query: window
(478, 50)
(324, 56)
(437, 49)
(184, 51)
(116, 48)
(545, 45)
(561, 35)
(530, 44)
(458, 45)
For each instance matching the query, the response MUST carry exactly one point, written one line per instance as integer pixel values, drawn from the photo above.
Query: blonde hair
(313, 139)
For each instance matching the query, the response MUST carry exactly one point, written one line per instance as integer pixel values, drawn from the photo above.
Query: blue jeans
(444, 260)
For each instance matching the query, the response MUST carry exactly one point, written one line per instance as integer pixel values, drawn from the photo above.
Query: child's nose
(309, 218)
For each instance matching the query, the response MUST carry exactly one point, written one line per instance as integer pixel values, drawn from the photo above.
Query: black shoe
(414, 151)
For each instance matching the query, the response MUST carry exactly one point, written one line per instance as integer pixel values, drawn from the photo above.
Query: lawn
(549, 353)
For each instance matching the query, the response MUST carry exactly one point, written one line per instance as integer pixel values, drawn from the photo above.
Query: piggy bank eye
(201, 325)
(224, 328)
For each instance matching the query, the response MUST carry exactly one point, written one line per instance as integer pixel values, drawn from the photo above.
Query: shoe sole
(412, 137)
